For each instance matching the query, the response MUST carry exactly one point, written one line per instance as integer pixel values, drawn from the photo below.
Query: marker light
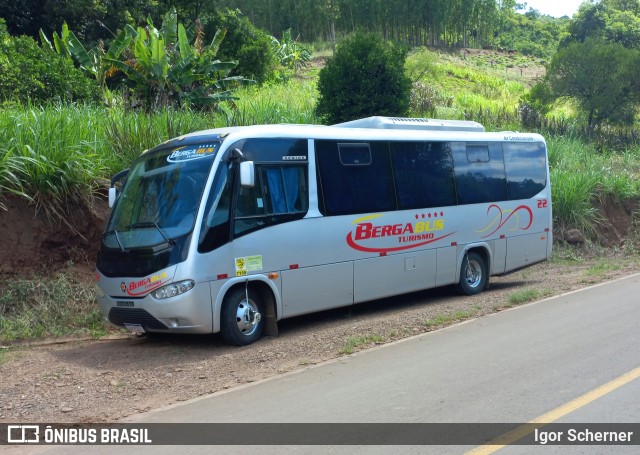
(173, 289)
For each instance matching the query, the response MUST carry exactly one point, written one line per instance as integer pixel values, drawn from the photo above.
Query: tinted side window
(355, 154)
(526, 168)
(215, 230)
(480, 180)
(355, 186)
(423, 174)
(280, 194)
(273, 150)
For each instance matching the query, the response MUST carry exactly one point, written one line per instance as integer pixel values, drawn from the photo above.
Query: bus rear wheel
(473, 274)
(241, 318)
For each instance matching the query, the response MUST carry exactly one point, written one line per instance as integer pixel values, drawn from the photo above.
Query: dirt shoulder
(107, 380)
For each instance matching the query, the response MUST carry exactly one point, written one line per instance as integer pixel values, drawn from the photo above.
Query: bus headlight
(173, 289)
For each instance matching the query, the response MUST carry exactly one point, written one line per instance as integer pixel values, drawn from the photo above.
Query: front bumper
(186, 313)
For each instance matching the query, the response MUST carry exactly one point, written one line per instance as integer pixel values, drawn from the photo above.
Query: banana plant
(93, 61)
(161, 67)
(165, 69)
(290, 53)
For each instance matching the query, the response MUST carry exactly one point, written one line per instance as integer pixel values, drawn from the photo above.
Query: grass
(62, 156)
(527, 295)
(582, 177)
(566, 255)
(602, 267)
(464, 89)
(354, 342)
(449, 318)
(290, 102)
(49, 307)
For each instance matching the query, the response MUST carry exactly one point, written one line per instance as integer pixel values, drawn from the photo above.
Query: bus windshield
(160, 198)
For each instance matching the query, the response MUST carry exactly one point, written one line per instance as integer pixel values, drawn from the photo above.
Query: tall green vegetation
(29, 74)
(93, 62)
(160, 66)
(61, 156)
(364, 77)
(582, 178)
(52, 156)
(163, 69)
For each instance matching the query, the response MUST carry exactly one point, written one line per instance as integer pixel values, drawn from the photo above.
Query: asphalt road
(568, 359)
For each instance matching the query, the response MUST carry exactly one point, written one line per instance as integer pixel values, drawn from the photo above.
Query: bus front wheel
(473, 274)
(241, 318)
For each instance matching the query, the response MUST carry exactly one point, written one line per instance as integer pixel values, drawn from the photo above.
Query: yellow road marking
(551, 416)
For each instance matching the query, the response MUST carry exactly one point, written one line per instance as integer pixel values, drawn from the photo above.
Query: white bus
(230, 230)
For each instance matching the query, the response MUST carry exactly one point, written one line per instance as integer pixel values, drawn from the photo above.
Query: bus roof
(401, 123)
(370, 128)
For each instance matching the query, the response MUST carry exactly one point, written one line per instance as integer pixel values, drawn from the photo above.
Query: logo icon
(23, 434)
(123, 287)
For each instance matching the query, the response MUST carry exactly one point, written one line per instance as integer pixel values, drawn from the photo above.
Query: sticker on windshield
(192, 152)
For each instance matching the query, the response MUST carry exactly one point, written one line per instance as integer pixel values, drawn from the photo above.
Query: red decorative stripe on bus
(500, 220)
(355, 246)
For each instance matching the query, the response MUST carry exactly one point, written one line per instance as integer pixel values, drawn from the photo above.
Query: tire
(473, 274)
(242, 321)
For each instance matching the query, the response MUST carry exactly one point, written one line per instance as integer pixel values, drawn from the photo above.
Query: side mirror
(113, 194)
(247, 174)
(113, 191)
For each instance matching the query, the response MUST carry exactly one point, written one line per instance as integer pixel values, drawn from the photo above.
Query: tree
(600, 76)
(244, 42)
(616, 21)
(92, 20)
(364, 77)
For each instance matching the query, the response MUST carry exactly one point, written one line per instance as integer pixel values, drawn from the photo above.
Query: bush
(364, 77)
(245, 43)
(30, 74)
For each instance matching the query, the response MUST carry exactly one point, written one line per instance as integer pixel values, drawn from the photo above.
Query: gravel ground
(107, 380)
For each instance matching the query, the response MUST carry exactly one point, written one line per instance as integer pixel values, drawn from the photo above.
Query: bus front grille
(122, 316)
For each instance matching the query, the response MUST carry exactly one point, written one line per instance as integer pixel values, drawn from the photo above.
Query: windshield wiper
(115, 234)
(146, 224)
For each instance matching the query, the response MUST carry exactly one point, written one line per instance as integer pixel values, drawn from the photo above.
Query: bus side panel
(391, 275)
(524, 250)
(317, 288)
(499, 256)
(447, 266)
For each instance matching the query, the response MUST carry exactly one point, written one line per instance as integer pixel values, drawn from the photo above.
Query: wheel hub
(473, 274)
(247, 317)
